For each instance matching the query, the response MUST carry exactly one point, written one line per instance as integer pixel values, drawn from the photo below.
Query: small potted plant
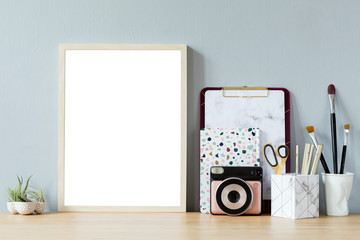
(36, 195)
(23, 200)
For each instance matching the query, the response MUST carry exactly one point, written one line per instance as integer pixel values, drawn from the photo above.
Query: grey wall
(300, 45)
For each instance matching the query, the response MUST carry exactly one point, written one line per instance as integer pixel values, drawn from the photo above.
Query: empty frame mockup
(122, 128)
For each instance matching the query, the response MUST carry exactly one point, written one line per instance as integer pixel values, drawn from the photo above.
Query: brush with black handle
(346, 133)
(331, 92)
(311, 131)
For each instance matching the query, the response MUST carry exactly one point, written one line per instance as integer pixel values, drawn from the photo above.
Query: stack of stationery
(225, 147)
(267, 109)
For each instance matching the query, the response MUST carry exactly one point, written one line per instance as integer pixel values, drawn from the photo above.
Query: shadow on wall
(195, 77)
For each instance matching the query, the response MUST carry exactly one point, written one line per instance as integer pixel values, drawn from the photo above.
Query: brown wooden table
(171, 226)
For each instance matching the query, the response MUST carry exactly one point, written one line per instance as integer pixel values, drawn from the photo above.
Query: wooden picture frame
(64, 161)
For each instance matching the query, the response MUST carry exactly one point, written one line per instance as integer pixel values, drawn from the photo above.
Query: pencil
(297, 160)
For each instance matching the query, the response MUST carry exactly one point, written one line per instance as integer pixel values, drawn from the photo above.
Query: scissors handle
(286, 150)
(283, 157)
(269, 145)
(277, 167)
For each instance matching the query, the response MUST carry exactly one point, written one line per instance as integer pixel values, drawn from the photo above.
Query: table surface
(174, 226)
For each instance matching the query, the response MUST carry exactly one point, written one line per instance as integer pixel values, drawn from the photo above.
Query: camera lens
(233, 196)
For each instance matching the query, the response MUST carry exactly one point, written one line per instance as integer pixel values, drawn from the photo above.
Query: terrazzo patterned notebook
(225, 147)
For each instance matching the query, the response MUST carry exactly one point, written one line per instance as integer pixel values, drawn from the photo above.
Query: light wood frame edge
(61, 127)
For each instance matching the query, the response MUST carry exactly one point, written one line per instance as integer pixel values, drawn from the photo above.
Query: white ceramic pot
(22, 207)
(11, 207)
(40, 207)
(337, 189)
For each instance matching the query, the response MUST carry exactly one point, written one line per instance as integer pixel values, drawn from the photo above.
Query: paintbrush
(316, 159)
(346, 133)
(331, 92)
(308, 163)
(305, 158)
(311, 132)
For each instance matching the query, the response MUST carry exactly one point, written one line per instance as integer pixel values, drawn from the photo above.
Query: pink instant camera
(236, 190)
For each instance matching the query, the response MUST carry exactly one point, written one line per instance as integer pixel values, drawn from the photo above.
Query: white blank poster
(123, 128)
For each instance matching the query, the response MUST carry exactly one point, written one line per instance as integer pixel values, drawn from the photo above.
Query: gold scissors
(278, 167)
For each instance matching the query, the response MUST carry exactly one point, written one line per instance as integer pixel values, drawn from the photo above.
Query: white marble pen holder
(295, 196)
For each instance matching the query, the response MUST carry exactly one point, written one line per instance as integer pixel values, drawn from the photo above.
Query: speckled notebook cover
(225, 147)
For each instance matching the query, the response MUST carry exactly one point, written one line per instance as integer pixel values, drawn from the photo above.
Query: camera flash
(217, 170)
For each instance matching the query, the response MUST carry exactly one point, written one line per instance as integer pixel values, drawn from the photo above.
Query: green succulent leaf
(24, 194)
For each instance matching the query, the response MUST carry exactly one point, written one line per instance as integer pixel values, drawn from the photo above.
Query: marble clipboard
(221, 108)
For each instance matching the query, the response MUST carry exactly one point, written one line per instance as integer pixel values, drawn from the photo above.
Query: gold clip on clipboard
(243, 92)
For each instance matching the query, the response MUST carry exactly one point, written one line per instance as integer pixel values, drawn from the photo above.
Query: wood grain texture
(173, 226)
